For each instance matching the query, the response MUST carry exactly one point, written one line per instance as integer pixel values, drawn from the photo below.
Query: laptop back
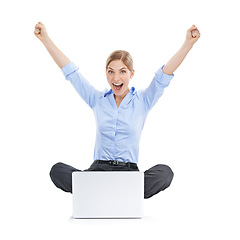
(116, 194)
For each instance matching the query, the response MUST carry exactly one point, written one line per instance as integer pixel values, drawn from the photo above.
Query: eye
(110, 71)
(123, 71)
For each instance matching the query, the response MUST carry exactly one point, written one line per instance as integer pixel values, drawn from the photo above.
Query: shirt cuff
(163, 77)
(68, 69)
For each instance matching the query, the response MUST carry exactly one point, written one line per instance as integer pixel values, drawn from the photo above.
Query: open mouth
(117, 87)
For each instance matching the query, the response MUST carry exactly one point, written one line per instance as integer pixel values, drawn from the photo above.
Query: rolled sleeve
(156, 88)
(68, 69)
(162, 77)
(88, 93)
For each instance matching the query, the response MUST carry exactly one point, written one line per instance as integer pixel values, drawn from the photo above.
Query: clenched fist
(40, 31)
(193, 35)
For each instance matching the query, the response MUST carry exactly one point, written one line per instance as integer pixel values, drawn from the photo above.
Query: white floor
(176, 213)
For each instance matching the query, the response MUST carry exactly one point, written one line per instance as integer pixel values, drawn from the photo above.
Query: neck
(120, 98)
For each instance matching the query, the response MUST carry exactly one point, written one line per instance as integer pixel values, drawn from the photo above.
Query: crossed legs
(156, 179)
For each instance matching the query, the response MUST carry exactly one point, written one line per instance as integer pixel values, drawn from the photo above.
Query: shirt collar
(132, 91)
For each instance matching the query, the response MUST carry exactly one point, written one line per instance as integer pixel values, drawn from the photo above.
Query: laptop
(104, 194)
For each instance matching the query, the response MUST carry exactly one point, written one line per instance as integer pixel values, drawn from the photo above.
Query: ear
(132, 73)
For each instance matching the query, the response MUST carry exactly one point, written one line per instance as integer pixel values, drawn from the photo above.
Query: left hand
(193, 35)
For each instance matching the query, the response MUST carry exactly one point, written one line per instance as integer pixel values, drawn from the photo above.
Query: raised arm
(88, 93)
(41, 33)
(192, 36)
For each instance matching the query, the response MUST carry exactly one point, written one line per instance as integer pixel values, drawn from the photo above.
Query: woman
(120, 113)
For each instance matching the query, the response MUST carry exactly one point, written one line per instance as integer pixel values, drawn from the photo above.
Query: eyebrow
(119, 69)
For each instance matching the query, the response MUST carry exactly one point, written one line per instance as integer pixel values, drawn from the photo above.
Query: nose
(116, 76)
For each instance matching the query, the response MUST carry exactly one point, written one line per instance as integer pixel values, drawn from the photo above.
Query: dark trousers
(156, 179)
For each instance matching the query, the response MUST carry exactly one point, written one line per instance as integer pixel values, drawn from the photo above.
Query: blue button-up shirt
(118, 128)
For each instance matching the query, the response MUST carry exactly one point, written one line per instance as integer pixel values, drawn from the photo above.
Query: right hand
(40, 31)
(193, 35)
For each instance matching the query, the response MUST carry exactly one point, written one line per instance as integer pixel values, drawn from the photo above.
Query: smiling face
(118, 76)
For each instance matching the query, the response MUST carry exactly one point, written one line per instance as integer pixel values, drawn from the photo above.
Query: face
(118, 76)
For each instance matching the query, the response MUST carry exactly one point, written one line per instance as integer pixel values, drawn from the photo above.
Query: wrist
(187, 46)
(46, 40)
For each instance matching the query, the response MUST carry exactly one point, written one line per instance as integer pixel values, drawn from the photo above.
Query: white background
(194, 128)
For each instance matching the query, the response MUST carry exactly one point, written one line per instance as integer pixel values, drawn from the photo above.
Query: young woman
(120, 113)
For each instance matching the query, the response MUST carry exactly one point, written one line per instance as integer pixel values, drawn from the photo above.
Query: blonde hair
(121, 55)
